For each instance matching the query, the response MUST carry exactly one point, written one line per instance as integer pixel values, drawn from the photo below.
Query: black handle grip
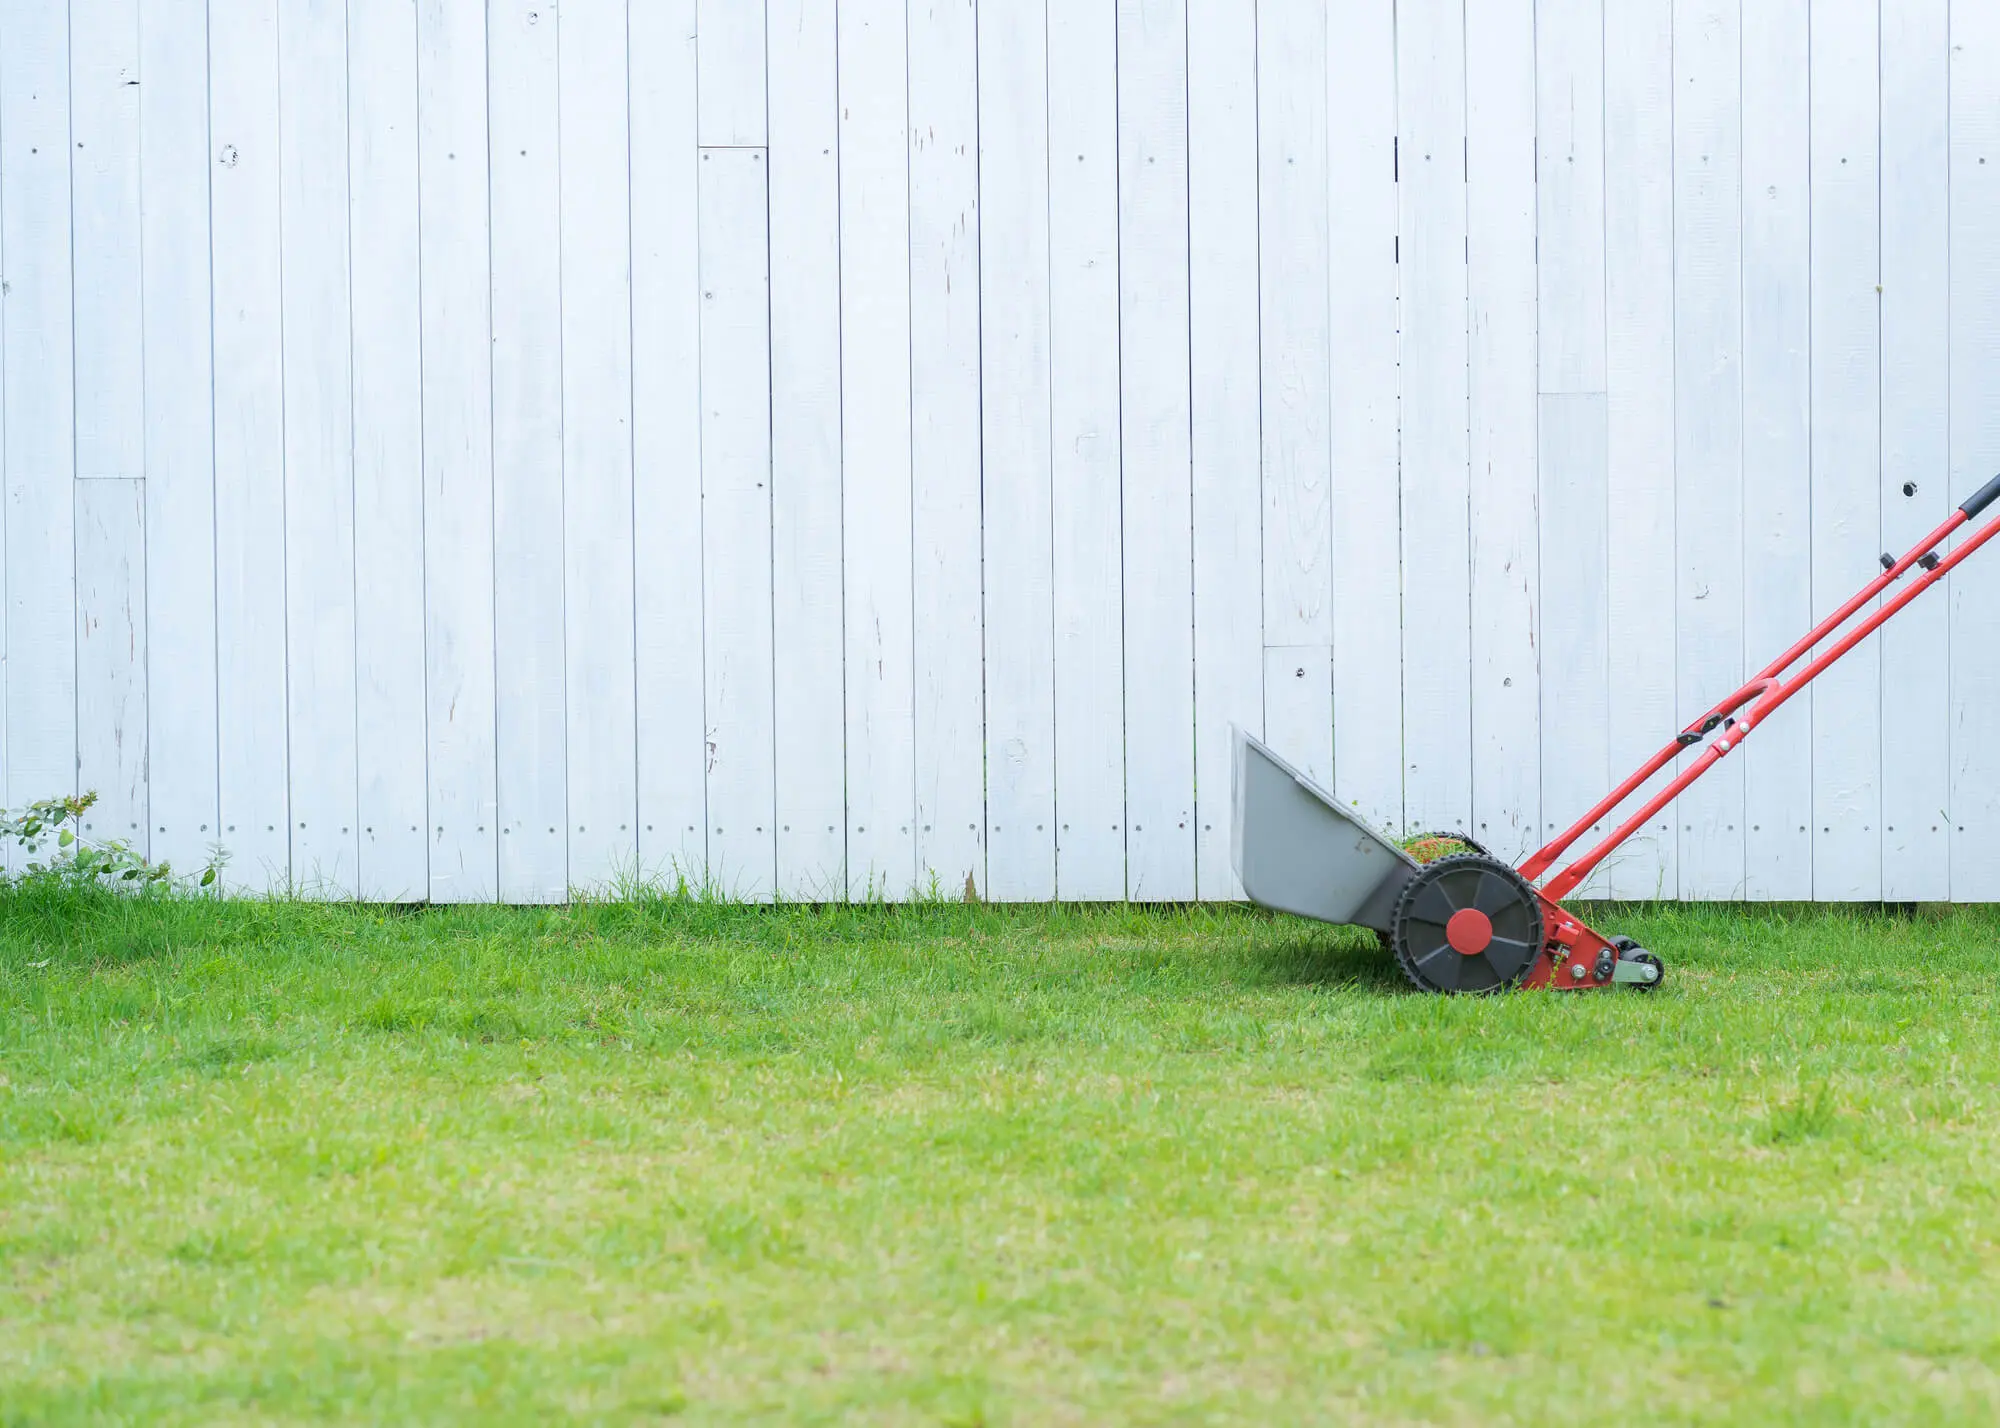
(1988, 494)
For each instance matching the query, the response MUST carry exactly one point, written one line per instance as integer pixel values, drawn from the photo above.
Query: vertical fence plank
(111, 655)
(1437, 659)
(945, 445)
(1916, 441)
(1085, 81)
(1014, 333)
(1296, 342)
(806, 162)
(1639, 375)
(1224, 372)
(179, 432)
(1846, 522)
(1708, 415)
(454, 222)
(736, 520)
(1574, 417)
(1975, 445)
(110, 416)
(1363, 216)
(1156, 404)
(319, 446)
(104, 184)
(666, 444)
(529, 536)
(37, 390)
(1501, 277)
(1778, 603)
(597, 445)
(388, 451)
(731, 87)
(875, 449)
(249, 443)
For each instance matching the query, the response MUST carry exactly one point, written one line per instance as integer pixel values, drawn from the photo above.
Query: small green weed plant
(50, 833)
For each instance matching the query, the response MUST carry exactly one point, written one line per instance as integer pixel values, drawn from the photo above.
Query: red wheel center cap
(1469, 932)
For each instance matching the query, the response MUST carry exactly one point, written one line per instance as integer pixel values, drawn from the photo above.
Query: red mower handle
(1732, 720)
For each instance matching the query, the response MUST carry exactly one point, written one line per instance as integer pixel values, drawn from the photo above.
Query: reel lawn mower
(1469, 922)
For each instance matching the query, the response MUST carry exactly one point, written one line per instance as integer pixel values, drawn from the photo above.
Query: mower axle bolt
(1579, 971)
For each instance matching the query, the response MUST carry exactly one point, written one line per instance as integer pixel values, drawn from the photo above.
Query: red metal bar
(1764, 694)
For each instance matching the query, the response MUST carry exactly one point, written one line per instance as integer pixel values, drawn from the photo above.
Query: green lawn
(972, 1165)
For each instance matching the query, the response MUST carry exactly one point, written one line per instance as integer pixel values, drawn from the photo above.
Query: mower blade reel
(1296, 850)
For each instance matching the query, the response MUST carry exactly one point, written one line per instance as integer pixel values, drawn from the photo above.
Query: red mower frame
(1581, 959)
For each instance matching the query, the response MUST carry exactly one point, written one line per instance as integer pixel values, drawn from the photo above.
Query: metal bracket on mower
(1643, 974)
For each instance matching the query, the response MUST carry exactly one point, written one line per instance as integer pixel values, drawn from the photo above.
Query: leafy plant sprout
(50, 832)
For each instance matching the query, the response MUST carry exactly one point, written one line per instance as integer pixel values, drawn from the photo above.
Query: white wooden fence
(463, 450)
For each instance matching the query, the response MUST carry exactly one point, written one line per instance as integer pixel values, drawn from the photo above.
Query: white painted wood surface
(389, 719)
(819, 448)
(179, 454)
(947, 578)
(1639, 415)
(1778, 593)
(807, 527)
(529, 538)
(1084, 384)
(250, 616)
(1225, 432)
(874, 337)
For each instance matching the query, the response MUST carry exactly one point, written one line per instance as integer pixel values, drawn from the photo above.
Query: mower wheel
(1467, 924)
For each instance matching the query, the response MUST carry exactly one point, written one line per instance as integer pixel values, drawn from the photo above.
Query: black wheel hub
(1467, 924)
